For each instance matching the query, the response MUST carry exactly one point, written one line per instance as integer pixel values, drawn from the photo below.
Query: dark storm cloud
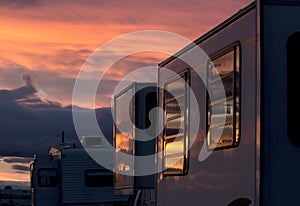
(22, 92)
(30, 125)
(55, 84)
(26, 96)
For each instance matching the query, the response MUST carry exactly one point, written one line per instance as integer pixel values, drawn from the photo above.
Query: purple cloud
(23, 160)
(30, 125)
(21, 167)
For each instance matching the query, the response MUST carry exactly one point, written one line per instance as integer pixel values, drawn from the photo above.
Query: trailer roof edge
(211, 32)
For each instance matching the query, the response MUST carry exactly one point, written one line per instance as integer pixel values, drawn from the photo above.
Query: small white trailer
(69, 176)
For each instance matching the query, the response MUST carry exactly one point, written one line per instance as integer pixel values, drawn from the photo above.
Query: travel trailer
(229, 127)
(255, 160)
(69, 176)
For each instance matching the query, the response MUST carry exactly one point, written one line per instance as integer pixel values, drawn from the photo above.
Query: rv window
(175, 131)
(223, 100)
(293, 73)
(99, 178)
(47, 177)
(123, 137)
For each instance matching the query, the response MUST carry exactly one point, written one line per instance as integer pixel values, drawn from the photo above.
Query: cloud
(50, 40)
(131, 15)
(54, 88)
(19, 4)
(22, 92)
(26, 96)
(46, 42)
(10, 72)
(23, 160)
(47, 84)
(21, 167)
(40, 120)
(31, 125)
(65, 62)
(27, 79)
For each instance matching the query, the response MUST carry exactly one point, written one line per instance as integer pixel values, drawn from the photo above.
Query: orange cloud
(54, 38)
(9, 171)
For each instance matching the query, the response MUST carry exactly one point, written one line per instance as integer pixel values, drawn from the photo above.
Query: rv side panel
(84, 181)
(44, 182)
(281, 152)
(228, 175)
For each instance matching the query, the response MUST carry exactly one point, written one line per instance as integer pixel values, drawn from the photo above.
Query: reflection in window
(47, 177)
(175, 132)
(223, 100)
(99, 178)
(124, 142)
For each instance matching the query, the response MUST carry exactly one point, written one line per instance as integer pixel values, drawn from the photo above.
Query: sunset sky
(44, 45)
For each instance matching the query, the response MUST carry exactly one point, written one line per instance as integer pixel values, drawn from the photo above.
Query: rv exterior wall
(44, 185)
(229, 173)
(281, 157)
(75, 167)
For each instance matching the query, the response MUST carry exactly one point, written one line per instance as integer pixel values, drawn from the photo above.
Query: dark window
(47, 177)
(150, 101)
(175, 130)
(99, 178)
(293, 74)
(223, 102)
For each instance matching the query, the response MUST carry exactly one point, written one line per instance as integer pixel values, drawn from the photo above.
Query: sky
(45, 44)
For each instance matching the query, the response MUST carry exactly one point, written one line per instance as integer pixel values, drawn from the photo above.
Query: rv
(69, 176)
(256, 158)
(229, 127)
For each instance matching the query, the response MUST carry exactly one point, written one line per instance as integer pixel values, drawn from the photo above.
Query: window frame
(185, 75)
(49, 169)
(237, 62)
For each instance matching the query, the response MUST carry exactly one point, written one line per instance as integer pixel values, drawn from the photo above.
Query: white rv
(245, 149)
(69, 176)
(256, 160)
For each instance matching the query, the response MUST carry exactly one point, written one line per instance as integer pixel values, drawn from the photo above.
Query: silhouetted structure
(14, 197)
